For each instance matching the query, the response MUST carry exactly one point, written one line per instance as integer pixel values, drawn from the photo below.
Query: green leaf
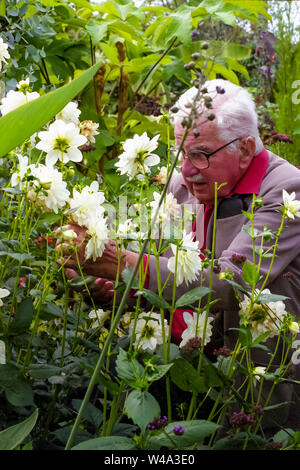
(22, 318)
(158, 372)
(265, 298)
(96, 31)
(18, 392)
(2, 8)
(92, 414)
(11, 437)
(126, 275)
(141, 407)
(107, 443)
(154, 299)
(129, 370)
(226, 17)
(43, 371)
(185, 376)
(21, 257)
(238, 287)
(195, 432)
(21, 123)
(250, 274)
(285, 436)
(192, 296)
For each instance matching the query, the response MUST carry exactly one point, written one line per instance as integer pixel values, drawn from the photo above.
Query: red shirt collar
(251, 181)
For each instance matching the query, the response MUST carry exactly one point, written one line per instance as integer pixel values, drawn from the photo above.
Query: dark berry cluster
(192, 345)
(241, 418)
(148, 105)
(223, 351)
(272, 445)
(238, 259)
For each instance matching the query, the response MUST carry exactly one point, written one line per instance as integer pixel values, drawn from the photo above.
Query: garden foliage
(83, 84)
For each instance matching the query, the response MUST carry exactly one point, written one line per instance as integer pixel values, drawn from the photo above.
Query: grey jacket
(230, 239)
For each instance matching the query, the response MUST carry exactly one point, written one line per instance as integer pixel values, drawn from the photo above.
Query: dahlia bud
(294, 327)
(189, 66)
(196, 56)
(220, 90)
(174, 109)
(195, 35)
(69, 235)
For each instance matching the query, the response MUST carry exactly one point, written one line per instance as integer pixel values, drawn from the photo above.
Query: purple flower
(178, 430)
(263, 34)
(158, 423)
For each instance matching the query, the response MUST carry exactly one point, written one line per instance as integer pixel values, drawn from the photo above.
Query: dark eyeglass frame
(208, 155)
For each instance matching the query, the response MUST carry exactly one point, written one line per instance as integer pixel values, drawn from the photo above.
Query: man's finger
(71, 273)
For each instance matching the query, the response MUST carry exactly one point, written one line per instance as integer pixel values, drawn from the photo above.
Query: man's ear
(247, 149)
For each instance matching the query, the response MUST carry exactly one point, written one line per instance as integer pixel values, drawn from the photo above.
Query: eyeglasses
(200, 159)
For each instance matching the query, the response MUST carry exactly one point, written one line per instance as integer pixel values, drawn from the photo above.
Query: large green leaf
(22, 318)
(20, 124)
(142, 408)
(192, 296)
(107, 443)
(11, 437)
(185, 376)
(154, 299)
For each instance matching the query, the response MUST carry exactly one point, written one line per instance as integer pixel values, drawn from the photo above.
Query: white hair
(235, 114)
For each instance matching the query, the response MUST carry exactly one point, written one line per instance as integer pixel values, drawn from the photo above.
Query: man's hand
(103, 291)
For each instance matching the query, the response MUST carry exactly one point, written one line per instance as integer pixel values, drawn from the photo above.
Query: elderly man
(227, 150)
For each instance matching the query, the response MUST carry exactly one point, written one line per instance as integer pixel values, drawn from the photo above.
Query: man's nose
(188, 169)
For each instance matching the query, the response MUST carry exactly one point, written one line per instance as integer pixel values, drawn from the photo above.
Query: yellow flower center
(258, 313)
(62, 144)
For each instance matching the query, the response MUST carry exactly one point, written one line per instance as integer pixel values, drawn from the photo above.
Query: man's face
(224, 167)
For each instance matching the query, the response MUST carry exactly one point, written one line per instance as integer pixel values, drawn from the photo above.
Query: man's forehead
(206, 129)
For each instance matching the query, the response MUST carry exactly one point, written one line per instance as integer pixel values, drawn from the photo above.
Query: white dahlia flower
(98, 236)
(195, 328)
(86, 204)
(4, 54)
(61, 142)
(291, 205)
(3, 293)
(263, 317)
(100, 315)
(15, 99)
(70, 113)
(48, 190)
(137, 156)
(188, 260)
(148, 332)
